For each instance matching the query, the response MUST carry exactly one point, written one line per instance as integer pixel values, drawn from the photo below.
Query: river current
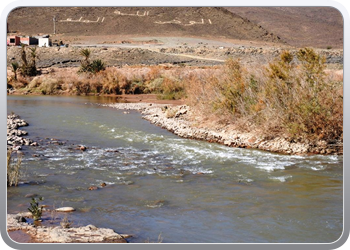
(186, 191)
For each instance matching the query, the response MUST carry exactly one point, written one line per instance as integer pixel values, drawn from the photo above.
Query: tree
(97, 66)
(15, 67)
(85, 63)
(94, 67)
(28, 69)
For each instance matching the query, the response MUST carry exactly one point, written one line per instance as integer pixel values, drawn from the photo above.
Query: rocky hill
(320, 27)
(195, 36)
(137, 21)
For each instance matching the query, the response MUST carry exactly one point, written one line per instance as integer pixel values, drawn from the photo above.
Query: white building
(44, 42)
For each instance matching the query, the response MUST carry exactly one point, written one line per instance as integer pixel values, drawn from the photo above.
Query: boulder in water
(65, 209)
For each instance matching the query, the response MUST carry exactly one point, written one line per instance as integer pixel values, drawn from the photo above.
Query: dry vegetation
(168, 83)
(292, 96)
(13, 168)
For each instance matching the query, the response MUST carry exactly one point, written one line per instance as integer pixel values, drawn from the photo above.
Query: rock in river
(65, 209)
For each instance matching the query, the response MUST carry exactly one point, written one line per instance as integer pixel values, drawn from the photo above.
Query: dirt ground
(140, 50)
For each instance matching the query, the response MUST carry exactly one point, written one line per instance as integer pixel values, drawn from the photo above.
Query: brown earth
(297, 26)
(320, 27)
(188, 36)
(183, 51)
(146, 21)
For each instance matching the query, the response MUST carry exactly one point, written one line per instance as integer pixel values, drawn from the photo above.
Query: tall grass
(13, 168)
(112, 81)
(292, 96)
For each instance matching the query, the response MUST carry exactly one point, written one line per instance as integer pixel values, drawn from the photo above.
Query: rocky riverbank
(60, 234)
(181, 120)
(15, 135)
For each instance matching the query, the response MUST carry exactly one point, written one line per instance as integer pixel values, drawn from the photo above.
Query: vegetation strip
(290, 101)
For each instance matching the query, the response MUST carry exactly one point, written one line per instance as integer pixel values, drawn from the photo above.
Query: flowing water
(159, 184)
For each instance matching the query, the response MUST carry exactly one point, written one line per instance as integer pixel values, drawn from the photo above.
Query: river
(158, 184)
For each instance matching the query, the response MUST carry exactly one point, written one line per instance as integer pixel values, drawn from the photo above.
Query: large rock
(86, 234)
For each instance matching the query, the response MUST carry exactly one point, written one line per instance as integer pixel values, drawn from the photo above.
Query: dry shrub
(20, 83)
(200, 90)
(50, 86)
(81, 87)
(154, 86)
(36, 82)
(13, 168)
(154, 73)
(291, 96)
(172, 88)
(112, 82)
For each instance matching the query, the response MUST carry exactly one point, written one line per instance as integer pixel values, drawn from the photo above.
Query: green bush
(97, 66)
(35, 209)
(88, 67)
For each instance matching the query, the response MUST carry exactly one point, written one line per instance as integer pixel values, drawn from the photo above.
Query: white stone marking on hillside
(174, 21)
(80, 20)
(190, 23)
(145, 13)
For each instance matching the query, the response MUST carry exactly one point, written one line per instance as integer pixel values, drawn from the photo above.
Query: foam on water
(281, 178)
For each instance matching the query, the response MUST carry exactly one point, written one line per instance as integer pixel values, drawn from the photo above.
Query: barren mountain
(137, 21)
(298, 26)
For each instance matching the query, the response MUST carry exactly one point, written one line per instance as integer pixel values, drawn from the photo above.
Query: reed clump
(13, 168)
(291, 96)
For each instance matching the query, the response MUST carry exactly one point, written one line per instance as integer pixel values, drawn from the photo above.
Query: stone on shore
(14, 135)
(85, 234)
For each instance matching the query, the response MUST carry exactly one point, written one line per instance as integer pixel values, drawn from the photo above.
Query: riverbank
(182, 121)
(20, 227)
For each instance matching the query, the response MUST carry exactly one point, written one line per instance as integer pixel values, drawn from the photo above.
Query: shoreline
(20, 228)
(180, 120)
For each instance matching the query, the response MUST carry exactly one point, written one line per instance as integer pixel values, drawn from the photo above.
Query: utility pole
(54, 25)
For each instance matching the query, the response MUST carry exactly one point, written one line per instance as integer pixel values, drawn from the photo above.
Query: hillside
(298, 26)
(137, 21)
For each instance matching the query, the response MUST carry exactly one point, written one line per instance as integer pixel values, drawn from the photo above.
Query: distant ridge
(320, 27)
(214, 22)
